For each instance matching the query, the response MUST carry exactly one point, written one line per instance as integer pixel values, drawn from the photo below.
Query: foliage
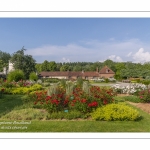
(79, 82)
(144, 95)
(65, 115)
(132, 88)
(118, 99)
(15, 75)
(4, 59)
(115, 112)
(23, 62)
(33, 76)
(24, 89)
(51, 80)
(2, 92)
(64, 68)
(132, 98)
(26, 114)
(146, 82)
(83, 99)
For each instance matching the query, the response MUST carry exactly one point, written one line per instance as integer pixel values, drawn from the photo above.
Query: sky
(78, 39)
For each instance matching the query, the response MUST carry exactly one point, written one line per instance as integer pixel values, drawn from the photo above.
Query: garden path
(144, 106)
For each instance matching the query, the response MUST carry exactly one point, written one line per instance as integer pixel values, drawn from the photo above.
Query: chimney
(97, 69)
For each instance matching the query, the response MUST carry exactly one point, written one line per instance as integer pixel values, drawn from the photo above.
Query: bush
(106, 80)
(132, 98)
(26, 114)
(119, 99)
(65, 115)
(144, 96)
(23, 90)
(33, 76)
(114, 112)
(16, 75)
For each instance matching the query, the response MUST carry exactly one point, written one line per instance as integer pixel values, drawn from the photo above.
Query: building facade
(105, 72)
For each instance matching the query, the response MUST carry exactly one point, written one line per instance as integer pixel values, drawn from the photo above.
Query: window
(107, 70)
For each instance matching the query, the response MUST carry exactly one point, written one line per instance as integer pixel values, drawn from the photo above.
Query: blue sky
(78, 39)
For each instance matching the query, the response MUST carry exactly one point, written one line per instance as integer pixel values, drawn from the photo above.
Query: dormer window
(107, 70)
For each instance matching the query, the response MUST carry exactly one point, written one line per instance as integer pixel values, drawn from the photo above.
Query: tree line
(27, 64)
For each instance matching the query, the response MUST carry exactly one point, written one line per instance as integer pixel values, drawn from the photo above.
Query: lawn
(11, 103)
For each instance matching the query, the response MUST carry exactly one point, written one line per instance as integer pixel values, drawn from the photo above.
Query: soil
(143, 106)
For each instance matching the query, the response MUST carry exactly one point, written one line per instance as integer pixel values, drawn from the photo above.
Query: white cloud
(129, 54)
(115, 58)
(65, 59)
(89, 51)
(141, 56)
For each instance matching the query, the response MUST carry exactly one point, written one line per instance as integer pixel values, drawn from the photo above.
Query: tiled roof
(106, 70)
(54, 73)
(70, 73)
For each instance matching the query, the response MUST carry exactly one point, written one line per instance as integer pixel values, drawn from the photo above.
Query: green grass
(14, 103)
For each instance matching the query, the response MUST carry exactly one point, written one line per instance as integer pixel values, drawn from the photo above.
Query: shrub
(119, 99)
(65, 115)
(23, 90)
(106, 80)
(26, 114)
(33, 76)
(114, 112)
(132, 98)
(144, 96)
(16, 75)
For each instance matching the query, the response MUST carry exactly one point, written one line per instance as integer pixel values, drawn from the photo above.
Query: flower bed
(20, 87)
(74, 98)
(132, 88)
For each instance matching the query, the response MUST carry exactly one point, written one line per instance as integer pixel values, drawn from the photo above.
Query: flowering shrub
(22, 90)
(57, 98)
(144, 96)
(20, 83)
(132, 88)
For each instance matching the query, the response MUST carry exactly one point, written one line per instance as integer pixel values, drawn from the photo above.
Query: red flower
(93, 104)
(3, 90)
(105, 102)
(83, 101)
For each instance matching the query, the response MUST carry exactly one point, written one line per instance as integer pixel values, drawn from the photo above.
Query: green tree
(45, 66)
(64, 68)
(77, 68)
(4, 59)
(38, 67)
(52, 66)
(23, 62)
(119, 66)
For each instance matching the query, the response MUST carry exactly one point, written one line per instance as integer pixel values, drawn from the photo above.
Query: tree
(4, 59)
(38, 68)
(45, 66)
(64, 68)
(52, 66)
(23, 62)
(119, 66)
(77, 68)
